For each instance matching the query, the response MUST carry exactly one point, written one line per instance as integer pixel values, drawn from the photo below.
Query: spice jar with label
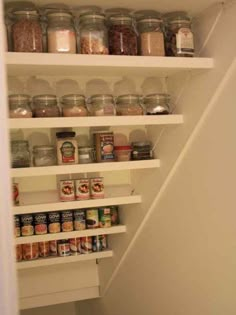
(104, 146)
(93, 34)
(129, 105)
(67, 148)
(44, 155)
(157, 104)
(73, 105)
(45, 105)
(19, 106)
(61, 33)
(20, 154)
(86, 155)
(102, 105)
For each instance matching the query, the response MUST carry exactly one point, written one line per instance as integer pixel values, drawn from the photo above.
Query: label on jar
(54, 225)
(97, 188)
(67, 150)
(104, 217)
(67, 221)
(27, 227)
(17, 225)
(92, 220)
(67, 190)
(82, 189)
(40, 223)
(184, 41)
(79, 220)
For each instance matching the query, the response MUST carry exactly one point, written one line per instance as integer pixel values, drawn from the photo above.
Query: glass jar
(45, 105)
(20, 154)
(61, 33)
(86, 155)
(44, 155)
(73, 105)
(141, 150)
(19, 106)
(67, 148)
(122, 35)
(151, 36)
(93, 34)
(102, 105)
(129, 105)
(157, 104)
(179, 36)
(27, 35)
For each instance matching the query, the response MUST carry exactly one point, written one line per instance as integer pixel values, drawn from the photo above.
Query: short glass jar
(45, 105)
(122, 35)
(61, 33)
(102, 105)
(67, 148)
(73, 105)
(27, 35)
(20, 154)
(86, 155)
(19, 105)
(157, 104)
(141, 150)
(93, 34)
(44, 155)
(129, 105)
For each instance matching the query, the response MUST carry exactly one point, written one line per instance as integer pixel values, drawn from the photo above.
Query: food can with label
(115, 220)
(97, 243)
(103, 239)
(82, 190)
(15, 194)
(63, 247)
(17, 225)
(19, 254)
(30, 251)
(27, 228)
(79, 220)
(54, 225)
(53, 248)
(67, 221)
(104, 146)
(104, 217)
(86, 245)
(75, 246)
(44, 249)
(40, 223)
(92, 221)
(97, 188)
(67, 190)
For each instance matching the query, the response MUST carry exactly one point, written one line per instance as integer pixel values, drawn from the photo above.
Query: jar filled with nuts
(122, 35)
(102, 105)
(93, 34)
(45, 105)
(73, 105)
(129, 105)
(27, 35)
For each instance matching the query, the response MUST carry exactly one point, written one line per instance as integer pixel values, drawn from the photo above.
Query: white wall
(62, 309)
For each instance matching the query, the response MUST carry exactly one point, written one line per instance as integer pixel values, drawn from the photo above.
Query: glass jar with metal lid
(129, 104)
(141, 150)
(45, 105)
(61, 33)
(122, 35)
(20, 154)
(93, 34)
(157, 104)
(27, 35)
(102, 105)
(19, 106)
(73, 105)
(44, 155)
(86, 155)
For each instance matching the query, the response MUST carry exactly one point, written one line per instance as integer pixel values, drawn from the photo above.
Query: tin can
(30, 251)
(97, 243)
(63, 247)
(40, 223)
(79, 220)
(92, 221)
(67, 190)
(44, 249)
(53, 248)
(19, 254)
(17, 225)
(103, 239)
(115, 220)
(104, 145)
(86, 245)
(104, 217)
(67, 221)
(97, 188)
(82, 190)
(75, 246)
(54, 225)
(27, 228)
(15, 194)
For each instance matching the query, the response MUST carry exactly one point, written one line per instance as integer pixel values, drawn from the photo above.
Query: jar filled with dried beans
(27, 35)
(122, 35)
(19, 106)
(73, 105)
(45, 105)
(102, 105)
(129, 105)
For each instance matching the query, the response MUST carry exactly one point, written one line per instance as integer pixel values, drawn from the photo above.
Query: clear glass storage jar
(102, 105)
(44, 155)
(86, 155)
(122, 35)
(19, 105)
(157, 104)
(129, 105)
(45, 105)
(61, 33)
(93, 35)
(20, 154)
(26, 30)
(73, 105)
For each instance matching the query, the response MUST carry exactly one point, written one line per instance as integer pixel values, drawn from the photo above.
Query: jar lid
(92, 15)
(113, 11)
(101, 97)
(141, 143)
(61, 13)
(122, 147)
(120, 17)
(73, 99)
(18, 98)
(139, 14)
(156, 97)
(128, 97)
(65, 134)
(149, 19)
(45, 98)
(25, 12)
(43, 148)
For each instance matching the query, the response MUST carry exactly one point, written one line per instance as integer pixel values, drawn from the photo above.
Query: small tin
(115, 220)
(15, 194)
(54, 225)
(97, 188)
(75, 246)
(67, 221)
(82, 191)
(92, 221)
(19, 254)
(104, 217)
(97, 243)
(53, 248)
(104, 145)
(79, 220)
(40, 223)
(27, 228)
(17, 225)
(44, 249)
(63, 247)
(86, 245)
(67, 190)
(30, 251)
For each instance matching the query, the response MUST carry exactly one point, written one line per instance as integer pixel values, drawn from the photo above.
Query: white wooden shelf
(51, 261)
(66, 122)
(74, 234)
(89, 65)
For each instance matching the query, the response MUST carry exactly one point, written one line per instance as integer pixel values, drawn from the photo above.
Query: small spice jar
(104, 146)
(141, 150)
(45, 105)
(19, 106)
(61, 33)
(67, 148)
(102, 105)
(122, 35)
(93, 34)
(123, 153)
(73, 105)
(129, 105)
(86, 155)
(20, 154)
(44, 155)
(157, 104)
(27, 35)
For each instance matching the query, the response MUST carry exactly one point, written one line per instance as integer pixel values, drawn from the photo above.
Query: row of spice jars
(62, 248)
(75, 105)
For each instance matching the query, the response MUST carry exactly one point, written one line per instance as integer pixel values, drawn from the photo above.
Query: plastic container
(45, 105)
(123, 153)
(86, 155)
(44, 155)
(73, 105)
(19, 105)
(129, 105)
